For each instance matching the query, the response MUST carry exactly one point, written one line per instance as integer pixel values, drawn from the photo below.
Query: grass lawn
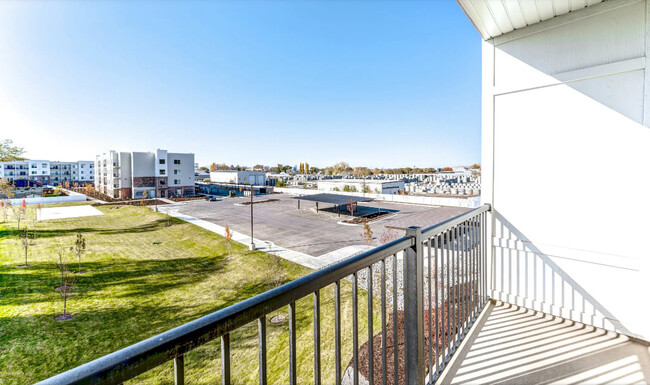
(134, 289)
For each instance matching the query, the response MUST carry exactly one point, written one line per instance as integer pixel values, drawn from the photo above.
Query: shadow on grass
(130, 278)
(46, 233)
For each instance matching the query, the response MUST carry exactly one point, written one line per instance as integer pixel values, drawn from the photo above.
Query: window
(83, 166)
(177, 161)
(161, 161)
(43, 172)
(33, 172)
(162, 172)
(177, 181)
(33, 165)
(162, 182)
(44, 165)
(176, 172)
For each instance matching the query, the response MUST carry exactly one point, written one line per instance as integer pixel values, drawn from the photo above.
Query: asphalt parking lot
(305, 230)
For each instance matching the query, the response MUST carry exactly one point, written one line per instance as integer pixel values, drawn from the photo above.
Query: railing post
(414, 309)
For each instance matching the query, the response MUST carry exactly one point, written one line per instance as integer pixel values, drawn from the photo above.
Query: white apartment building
(49, 172)
(131, 174)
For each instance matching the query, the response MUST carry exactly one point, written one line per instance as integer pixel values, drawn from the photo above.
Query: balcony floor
(521, 346)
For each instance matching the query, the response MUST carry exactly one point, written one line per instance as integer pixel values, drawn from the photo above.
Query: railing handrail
(142, 356)
(449, 223)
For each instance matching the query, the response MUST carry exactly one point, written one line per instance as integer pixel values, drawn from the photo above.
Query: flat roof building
(235, 176)
(131, 174)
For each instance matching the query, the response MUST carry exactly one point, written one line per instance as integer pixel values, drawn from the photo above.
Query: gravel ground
(362, 278)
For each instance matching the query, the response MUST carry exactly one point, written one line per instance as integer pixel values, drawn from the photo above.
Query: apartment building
(131, 174)
(48, 172)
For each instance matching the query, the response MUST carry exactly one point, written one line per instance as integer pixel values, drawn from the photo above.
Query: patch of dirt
(63, 287)
(175, 199)
(80, 272)
(64, 317)
(27, 265)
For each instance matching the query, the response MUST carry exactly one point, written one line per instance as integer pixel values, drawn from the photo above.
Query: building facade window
(177, 161)
(162, 172)
(177, 181)
(161, 161)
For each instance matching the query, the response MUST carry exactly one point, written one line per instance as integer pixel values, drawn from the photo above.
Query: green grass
(134, 289)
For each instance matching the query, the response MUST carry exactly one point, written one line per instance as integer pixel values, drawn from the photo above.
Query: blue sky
(372, 83)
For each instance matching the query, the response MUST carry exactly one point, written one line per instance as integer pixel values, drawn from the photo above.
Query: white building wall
(572, 94)
(181, 169)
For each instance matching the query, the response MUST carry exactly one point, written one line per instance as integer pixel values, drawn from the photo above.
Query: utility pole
(252, 246)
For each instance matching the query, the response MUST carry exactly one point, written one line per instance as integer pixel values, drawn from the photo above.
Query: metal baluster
(292, 343)
(395, 341)
(484, 243)
(179, 370)
(383, 321)
(317, 337)
(371, 358)
(447, 290)
(454, 285)
(355, 331)
(430, 310)
(473, 267)
(463, 275)
(261, 337)
(337, 330)
(225, 359)
(437, 315)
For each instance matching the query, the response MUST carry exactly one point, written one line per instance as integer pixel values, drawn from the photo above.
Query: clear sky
(372, 83)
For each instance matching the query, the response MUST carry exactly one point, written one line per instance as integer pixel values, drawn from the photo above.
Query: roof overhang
(497, 17)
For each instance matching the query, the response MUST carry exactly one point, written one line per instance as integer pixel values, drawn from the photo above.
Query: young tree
(351, 207)
(78, 249)
(145, 195)
(19, 212)
(388, 235)
(24, 240)
(228, 240)
(67, 284)
(367, 233)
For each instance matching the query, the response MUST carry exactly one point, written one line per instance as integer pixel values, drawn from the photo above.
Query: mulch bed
(183, 199)
(63, 317)
(390, 349)
(136, 202)
(367, 218)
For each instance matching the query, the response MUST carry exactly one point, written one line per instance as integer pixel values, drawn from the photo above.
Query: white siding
(563, 142)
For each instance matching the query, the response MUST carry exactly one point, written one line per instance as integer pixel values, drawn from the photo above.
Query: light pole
(252, 246)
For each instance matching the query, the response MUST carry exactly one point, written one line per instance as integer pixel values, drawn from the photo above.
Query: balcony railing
(443, 289)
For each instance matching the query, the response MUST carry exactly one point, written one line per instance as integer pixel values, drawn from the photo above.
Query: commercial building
(360, 185)
(47, 172)
(241, 177)
(131, 174)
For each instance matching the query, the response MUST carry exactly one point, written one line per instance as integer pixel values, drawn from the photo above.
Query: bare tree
(367, 233)
(67, 284)
(351, 207)
(388, 235)
(19, 212)
(78, 249)
(228, 240)
(24, 240)
(145, 195)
